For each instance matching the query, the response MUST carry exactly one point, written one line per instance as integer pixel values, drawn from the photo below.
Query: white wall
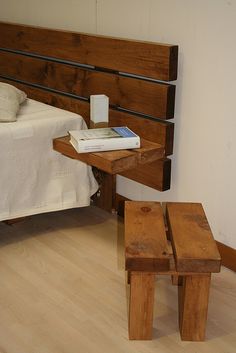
(204, 161)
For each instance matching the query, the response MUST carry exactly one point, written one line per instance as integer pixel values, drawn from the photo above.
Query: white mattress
(34, 178)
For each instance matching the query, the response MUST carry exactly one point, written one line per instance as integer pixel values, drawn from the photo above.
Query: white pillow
(10, 100)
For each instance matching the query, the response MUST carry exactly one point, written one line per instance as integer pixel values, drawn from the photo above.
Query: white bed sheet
(34, 178)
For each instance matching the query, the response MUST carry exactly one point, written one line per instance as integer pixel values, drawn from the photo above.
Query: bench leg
(142, 285)
(193, 305)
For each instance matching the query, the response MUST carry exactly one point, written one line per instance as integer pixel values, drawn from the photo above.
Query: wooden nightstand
(112, 163)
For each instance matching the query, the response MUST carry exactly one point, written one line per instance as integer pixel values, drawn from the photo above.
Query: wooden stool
(192, 257)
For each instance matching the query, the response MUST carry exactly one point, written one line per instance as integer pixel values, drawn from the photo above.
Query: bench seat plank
(193, 244)
(146, 245)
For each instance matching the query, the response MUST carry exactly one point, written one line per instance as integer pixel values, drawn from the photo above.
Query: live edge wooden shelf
(112, 162)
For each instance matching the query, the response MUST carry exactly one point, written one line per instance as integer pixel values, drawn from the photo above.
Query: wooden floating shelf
(112, 162)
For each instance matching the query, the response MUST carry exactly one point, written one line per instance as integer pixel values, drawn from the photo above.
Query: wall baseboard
(227, 253)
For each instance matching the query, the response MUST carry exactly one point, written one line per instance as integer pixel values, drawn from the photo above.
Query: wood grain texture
(157, 131)
(120, 204)
(193, 307)
(228, 256)
(142, 287)
(57, 100)
(146, 97)
(152, 130)
(58, 291)
(146, 246)
(156, 175)
(192, 240)
(154, 60)
(105, 197)
(112, 162)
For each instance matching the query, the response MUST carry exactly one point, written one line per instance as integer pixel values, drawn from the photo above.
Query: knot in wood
(145, 209)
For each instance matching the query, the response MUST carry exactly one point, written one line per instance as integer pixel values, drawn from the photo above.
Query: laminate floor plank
(63, 290)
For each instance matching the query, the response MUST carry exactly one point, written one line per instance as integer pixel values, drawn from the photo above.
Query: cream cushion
(10, 100)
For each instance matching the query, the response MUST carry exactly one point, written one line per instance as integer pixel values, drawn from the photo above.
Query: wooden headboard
(64, 68)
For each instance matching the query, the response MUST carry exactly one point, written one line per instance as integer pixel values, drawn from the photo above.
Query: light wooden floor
(62, 290)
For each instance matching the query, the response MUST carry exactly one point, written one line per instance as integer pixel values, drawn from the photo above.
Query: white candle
(99, 110)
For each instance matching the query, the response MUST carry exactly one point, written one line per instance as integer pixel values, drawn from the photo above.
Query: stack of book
(104, 139)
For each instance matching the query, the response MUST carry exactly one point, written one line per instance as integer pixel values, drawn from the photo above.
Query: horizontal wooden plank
(152, 130)
(54, 99)
(112, 162)
(146, 97)
(156, 175)
(149, 129)
(155, 60)
(194, 246)
(146, 246)
(104, 160)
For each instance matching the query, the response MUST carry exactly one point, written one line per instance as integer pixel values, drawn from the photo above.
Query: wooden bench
(191, 256)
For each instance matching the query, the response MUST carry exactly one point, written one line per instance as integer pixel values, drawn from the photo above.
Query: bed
(34, 178)
(63, 69)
